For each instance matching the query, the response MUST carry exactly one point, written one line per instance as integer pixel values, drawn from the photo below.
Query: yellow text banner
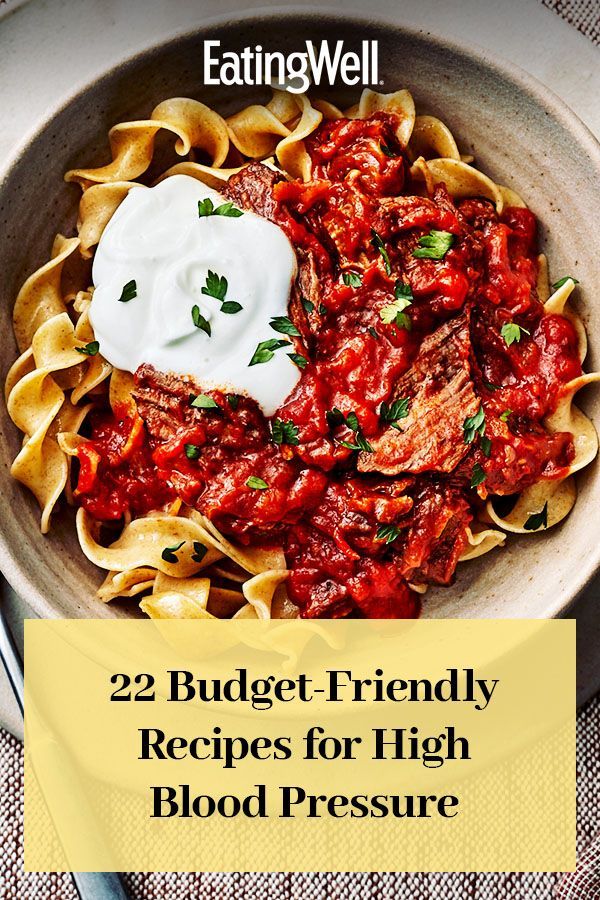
(431, 745)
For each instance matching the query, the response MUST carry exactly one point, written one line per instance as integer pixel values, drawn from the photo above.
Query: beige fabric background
(15, 885)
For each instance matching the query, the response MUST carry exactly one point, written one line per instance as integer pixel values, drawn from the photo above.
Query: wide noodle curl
(52, 386)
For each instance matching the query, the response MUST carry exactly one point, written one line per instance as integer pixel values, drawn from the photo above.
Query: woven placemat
(583, 885)
(15, 885)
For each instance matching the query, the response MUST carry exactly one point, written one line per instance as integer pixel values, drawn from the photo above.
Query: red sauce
(355, 542)
(117, 474)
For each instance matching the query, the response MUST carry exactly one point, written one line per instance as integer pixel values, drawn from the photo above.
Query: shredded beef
(252, 190)
(441, 396)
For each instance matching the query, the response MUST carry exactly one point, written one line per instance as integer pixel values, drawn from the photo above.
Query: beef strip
(440, 390)
(160, 399)
(252, 190)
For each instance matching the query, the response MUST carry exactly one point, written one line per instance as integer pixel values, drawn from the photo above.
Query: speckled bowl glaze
(521, 135)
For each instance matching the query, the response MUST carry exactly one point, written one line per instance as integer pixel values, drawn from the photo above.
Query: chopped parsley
(215, 286)
(192, 451)
(491, 386)
(351, 279)
(474, 425)
(284, 432)
(387, 533)
(257, 484)
(336, 417)
(203, 401)
(128, 292)
(199, 320)
(388, 150)
(434, 245)
(537, 520)
(200, 552)
(322, 309)
(233, 400)
(266, 350)
(477, 476)
(207, 208)
(558, 284)
(512, 332)
(308, 305)
(393, 313)
(90, 349)
(504, 416)
(230, 307)
(299, 360)
(377, 244)
(168, 553)
(486, 445)
(403, 291)
(398, 409)
(361, 444)
(283, 325)
(373, 332)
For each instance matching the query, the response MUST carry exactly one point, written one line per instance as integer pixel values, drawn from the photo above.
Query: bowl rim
(16, 575)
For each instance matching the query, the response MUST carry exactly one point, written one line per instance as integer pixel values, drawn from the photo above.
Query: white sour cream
(157, 239)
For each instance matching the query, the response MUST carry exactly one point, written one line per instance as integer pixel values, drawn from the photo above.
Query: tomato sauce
(356, 542)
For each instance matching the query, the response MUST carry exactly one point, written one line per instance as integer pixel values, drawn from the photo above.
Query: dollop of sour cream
(157, 239)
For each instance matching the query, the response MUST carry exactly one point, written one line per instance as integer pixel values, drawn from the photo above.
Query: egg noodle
(52, 386)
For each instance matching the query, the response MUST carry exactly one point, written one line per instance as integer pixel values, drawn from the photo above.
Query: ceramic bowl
(520, 134)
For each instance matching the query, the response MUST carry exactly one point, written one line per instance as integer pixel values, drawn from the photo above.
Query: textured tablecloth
(582, 885)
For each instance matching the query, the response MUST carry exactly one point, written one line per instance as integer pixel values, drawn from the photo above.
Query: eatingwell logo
(317, 64)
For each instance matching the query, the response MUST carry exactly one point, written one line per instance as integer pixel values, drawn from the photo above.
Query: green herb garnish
(168, 553)
(233, 400)
(373, 332)
(474, 425)
(299, 360)
(434, 245)
(387, 533)
(215, 286)
(393, 314)
(336, 417)
(257, 484)
(377, 244)
(486, 446)
(477, 476)
(558, 284)
(504, 416)
(90, 349)
(512, 332)
(388, 150)
(230, 307)
(284, 432)
(308, 305)
(199, 320)
(351, 279)
(283, 325)
(192, 451)
(537, 520)
(200, 552)
(403, 291)
(207, 208)
(265, 351)
(128, 292)
(203, 401)
(398, 409)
